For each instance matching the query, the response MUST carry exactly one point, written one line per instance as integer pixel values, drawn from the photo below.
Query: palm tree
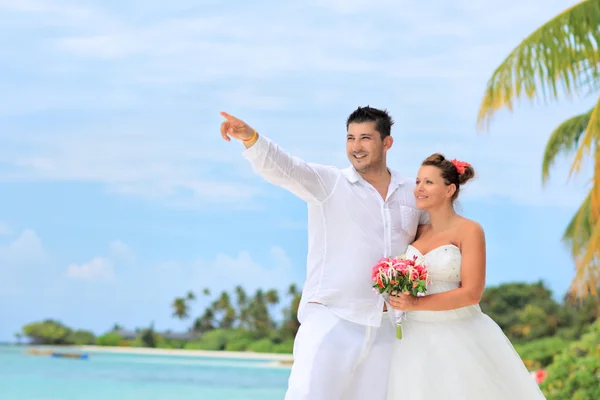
(290, 324)
(293, 289)
(563, 52)
(206, 291)
(206, 322)
(224, 308)
(242, 304)
(261, 322)
(228, 318)
(190, 296)
(223, 302)
(272, 297)
(180, 308)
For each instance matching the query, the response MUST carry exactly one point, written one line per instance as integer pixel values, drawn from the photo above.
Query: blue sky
(118, 193)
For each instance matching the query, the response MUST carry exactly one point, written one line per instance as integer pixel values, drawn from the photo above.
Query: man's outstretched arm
(310, 182)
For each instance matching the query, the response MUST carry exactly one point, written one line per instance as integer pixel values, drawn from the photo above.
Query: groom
(356, 215)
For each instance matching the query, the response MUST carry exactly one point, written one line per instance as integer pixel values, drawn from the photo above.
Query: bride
(451, 350)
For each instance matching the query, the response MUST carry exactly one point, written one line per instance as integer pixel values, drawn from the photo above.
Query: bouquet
(400, 274)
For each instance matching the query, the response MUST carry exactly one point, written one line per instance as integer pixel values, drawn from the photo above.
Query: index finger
(228, 117)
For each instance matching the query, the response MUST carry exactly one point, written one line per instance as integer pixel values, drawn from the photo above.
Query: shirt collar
(353, 176)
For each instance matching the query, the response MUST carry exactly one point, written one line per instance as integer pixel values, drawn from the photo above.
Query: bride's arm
(472, 276)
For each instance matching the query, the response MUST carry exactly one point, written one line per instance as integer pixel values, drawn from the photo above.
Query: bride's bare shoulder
(471, 229)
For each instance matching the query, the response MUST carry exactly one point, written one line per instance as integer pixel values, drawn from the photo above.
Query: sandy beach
(283, 359)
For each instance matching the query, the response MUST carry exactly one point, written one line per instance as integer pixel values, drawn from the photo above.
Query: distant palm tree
(228, 318)
(290, 324)
(563, 52)
(224, 301)
(242, 305)
(261, 322)
(180, 308)
(272, 297)
(206, 291)
(190, 296)
(18, 336)
(206, 322)
(293, 289)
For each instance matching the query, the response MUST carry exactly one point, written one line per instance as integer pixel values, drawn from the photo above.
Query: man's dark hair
(383, 121)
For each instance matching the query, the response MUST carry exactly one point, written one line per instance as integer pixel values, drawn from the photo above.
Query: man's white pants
(335, 359)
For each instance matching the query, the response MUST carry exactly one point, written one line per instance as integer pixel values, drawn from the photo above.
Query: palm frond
(596, 187)
(587, 272)
(564, 50)
(583, 238)
(563, 139)
(590, 138)
(579, 230)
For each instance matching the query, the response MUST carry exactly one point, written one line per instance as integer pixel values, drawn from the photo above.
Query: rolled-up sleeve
(311, 182)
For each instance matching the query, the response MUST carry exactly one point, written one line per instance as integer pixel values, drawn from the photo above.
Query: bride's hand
(404, 302)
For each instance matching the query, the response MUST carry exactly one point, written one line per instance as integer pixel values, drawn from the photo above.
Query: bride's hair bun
(453, 171)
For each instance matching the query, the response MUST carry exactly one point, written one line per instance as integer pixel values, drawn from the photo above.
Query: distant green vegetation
(231, 322)
(562, 338)
(575, 372)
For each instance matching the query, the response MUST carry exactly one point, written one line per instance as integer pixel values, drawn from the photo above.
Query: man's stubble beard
(374, 166)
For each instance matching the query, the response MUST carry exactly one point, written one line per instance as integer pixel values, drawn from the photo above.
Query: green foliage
(170, 343)
(538, 326)
(575, 373)
(241, 344)
(533, 323)
(109, 339)
(524, 311)
(540, 353)
(285, 347)
(577, 315)
(238, 340)
(149, 338)
(252, 313)
(81, 338)
(211, 340)
(261, 346)
(48, 332)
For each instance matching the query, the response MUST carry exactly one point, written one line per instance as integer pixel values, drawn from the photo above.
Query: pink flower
(460, 166)
(414, 275)
(540, 375)
(381, 266)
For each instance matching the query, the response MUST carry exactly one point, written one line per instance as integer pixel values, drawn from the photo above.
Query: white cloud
(25, 249)
(103, 267)
(97, 269)
(227, 271)
(121, 252)
(179, 170)
(224, 272)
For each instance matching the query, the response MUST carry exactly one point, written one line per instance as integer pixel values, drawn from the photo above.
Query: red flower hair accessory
(460, 166)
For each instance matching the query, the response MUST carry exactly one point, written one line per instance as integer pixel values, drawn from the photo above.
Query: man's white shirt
(350, 227)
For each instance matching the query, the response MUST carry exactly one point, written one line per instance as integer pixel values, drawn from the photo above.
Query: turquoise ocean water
(146, 377)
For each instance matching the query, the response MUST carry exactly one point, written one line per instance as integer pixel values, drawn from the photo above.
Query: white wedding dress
(460, 354)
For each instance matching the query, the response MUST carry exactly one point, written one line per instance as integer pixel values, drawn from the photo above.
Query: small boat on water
(81, 356)
(57, 354)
